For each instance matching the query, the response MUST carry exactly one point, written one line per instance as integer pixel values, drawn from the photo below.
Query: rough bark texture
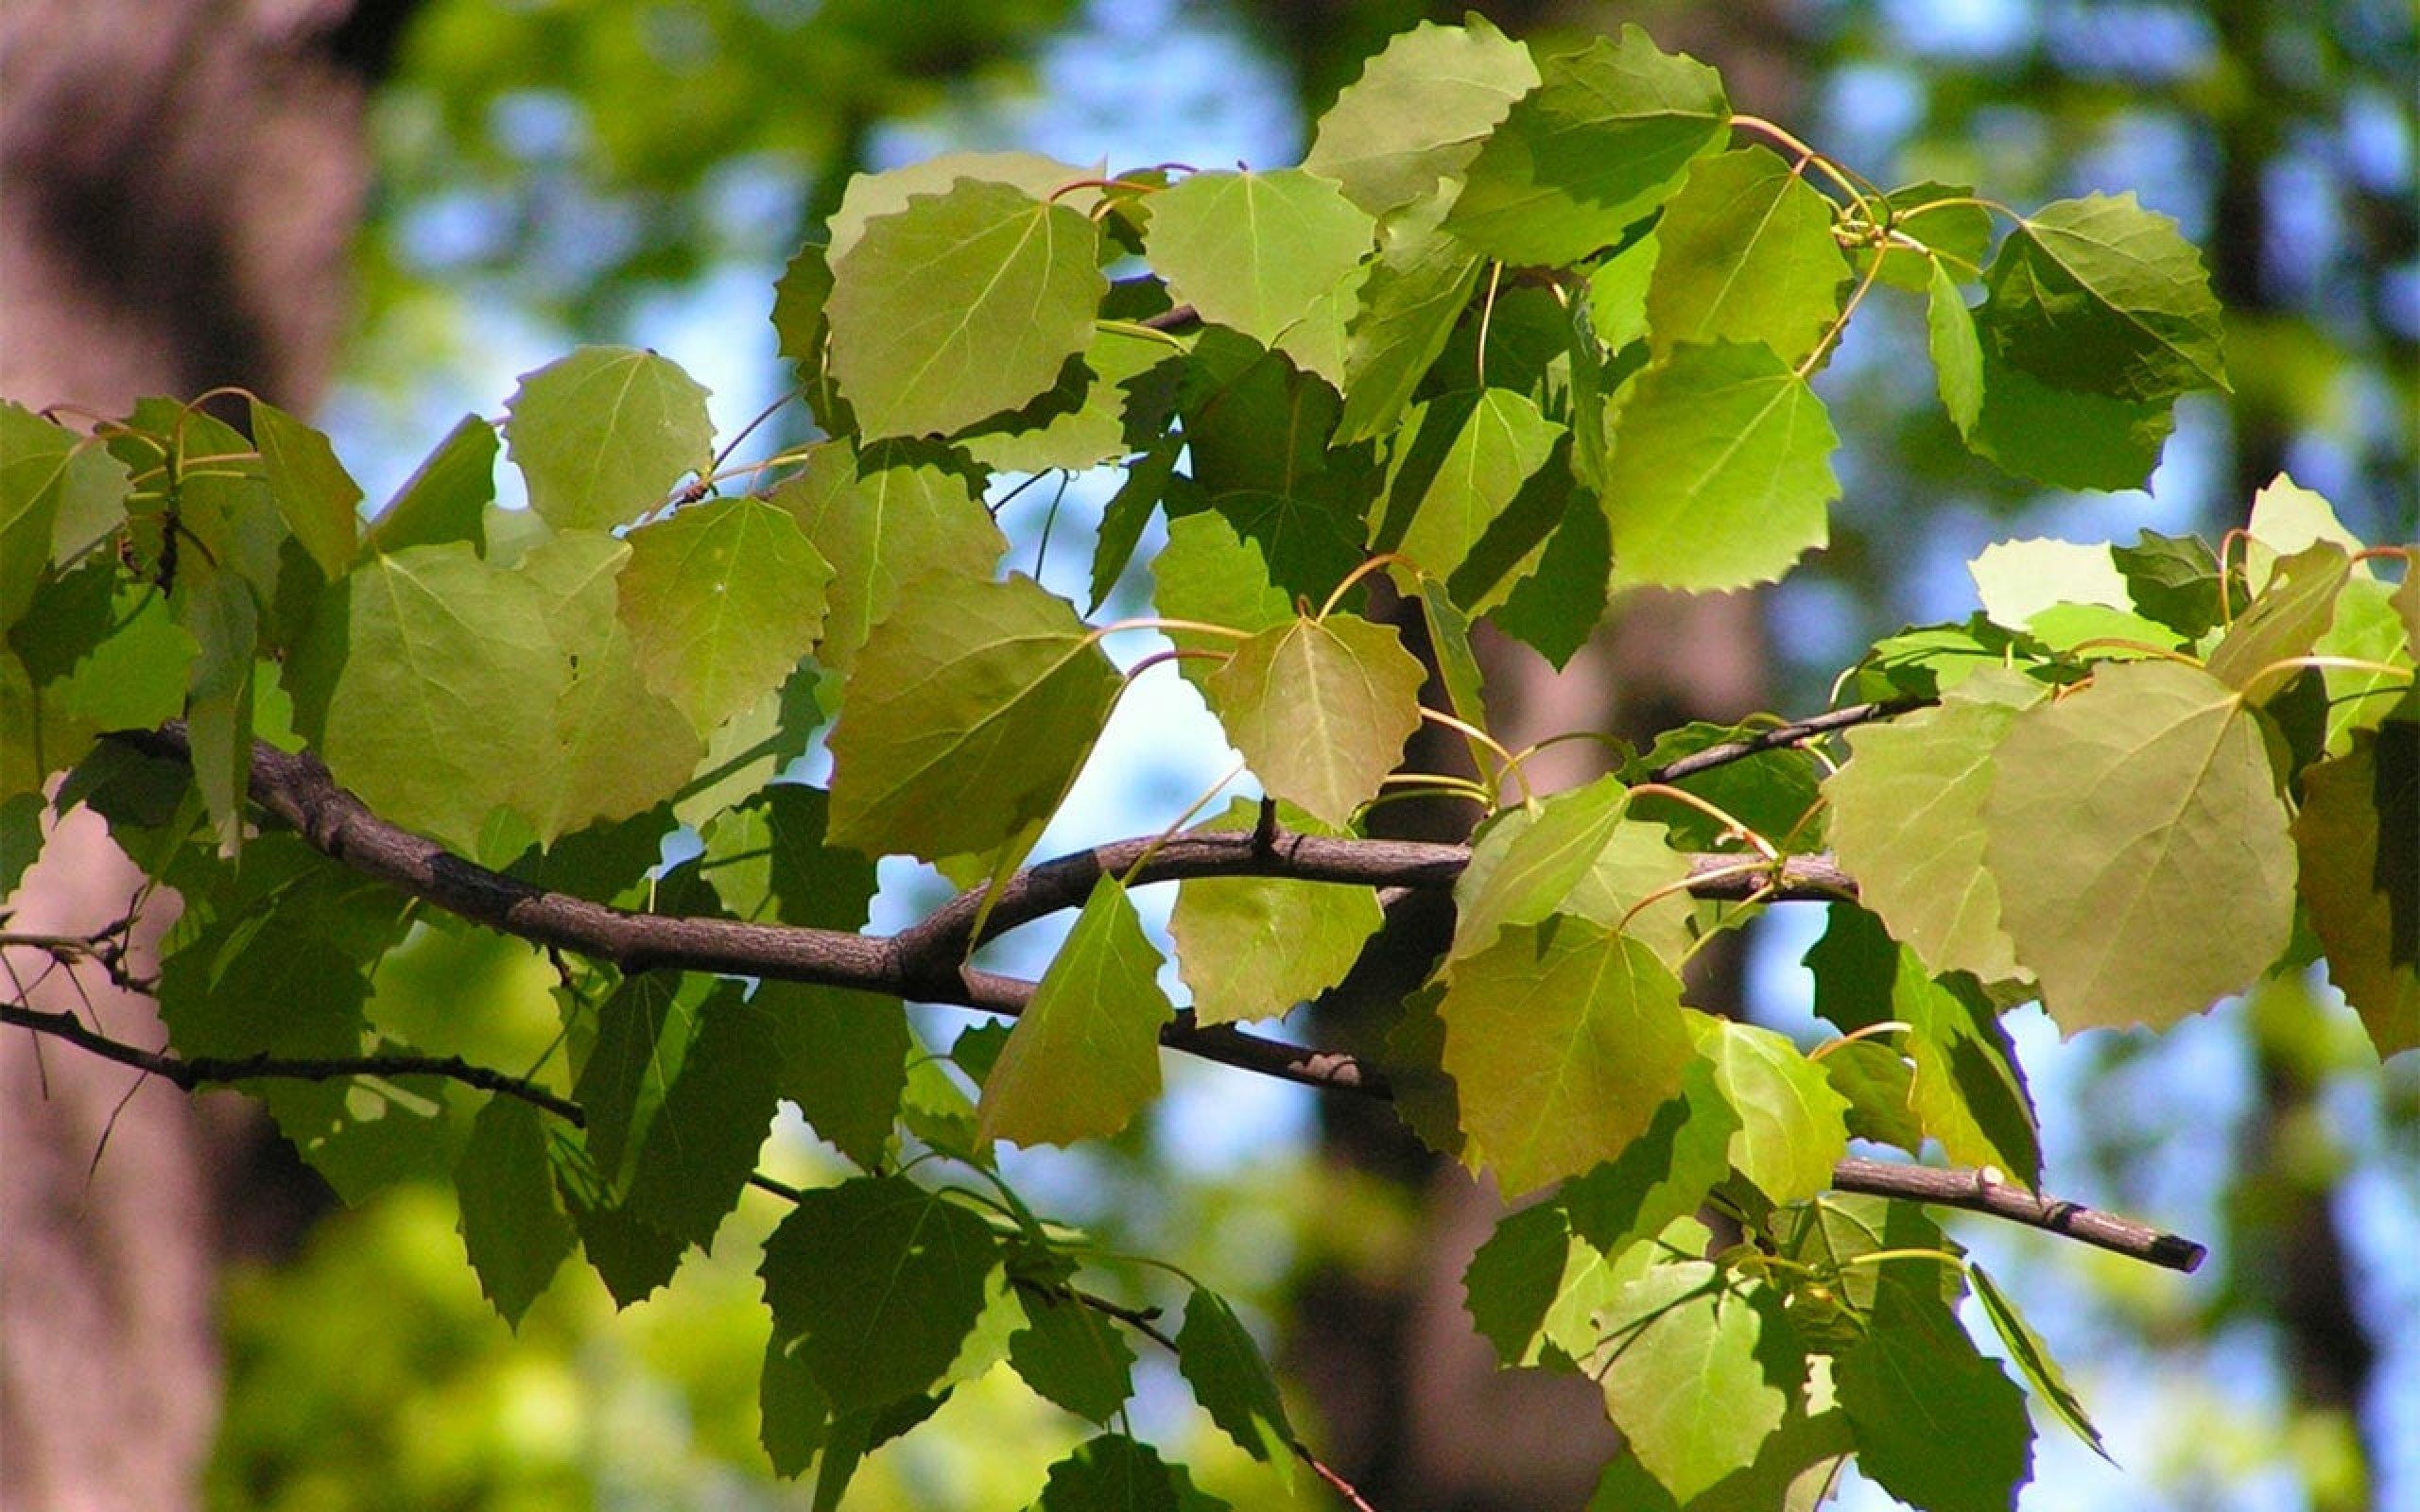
(182, 179)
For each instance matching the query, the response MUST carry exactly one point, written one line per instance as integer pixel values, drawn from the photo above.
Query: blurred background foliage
(551, 173)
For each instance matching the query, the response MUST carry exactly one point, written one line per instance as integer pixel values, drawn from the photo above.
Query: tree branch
(925, 961)
(218, 1071)
(1780, 735)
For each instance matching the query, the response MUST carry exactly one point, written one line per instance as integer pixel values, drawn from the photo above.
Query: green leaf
(621, 749)
(1917, 1383)
(2285, 621)
(2288, 518)
(1073, 1356)
(872, 195)
(1464, 461)
(721, 600)
(793, 1411)
(1320, 708)
(512, 1229)
(1114, 1474)
(2140, 847)
(447, 495)
(2358, 880)
(1417, 289)
(1255, 251)
(879, 1281)
(1210, 575)
(2104, 297)
(1103, 404)
(316, 496)
(1255, 947)
(2033, 1358)
(1310, 535)
(1534, 1286)
(1791, 1129)
(1747, 254)
(879, 518)
(2018, 579)
(2070, 439)
(1945, 219)
(1557, 608)
(1693, 1375)
(1772, 792)
(960, 305)
(603, 435)
(747, 751)
(428, 679)
(1562, 1039)
(702, 1145)
(1720, 471)
(1665, 1173)
(842, 1058)
(1418, 112)
(1908, 823)
(1603, 141)
(995, 689)
(1231, 1380)
(1577, 852)
(58, 494)
(1085, 1057)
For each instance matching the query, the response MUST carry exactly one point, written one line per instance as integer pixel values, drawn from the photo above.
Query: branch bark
(926, 962)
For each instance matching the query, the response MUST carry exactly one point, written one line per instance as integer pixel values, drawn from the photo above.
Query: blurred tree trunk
(182, 181)
(2289, 1259)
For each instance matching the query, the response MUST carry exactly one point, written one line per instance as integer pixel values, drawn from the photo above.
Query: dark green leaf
(1916, 1385)
(514, 1232)
(1417, 289)
(792, 1410)
(1232, 1381)
(2101, 295)
(701, 1145)
(2033, 1357)
(1073, 1356)
(882, 1280)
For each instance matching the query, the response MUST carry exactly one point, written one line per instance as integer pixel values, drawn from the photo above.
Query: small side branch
(192, 1073)
(1796, 733)
(1978, 1191)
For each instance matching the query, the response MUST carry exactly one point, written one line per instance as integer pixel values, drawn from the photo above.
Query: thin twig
(1781, 736)
(194, 1072)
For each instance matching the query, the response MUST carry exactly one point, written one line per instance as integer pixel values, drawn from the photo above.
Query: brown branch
(1781, 736)
(924, 962)
(1978, 1192)
(193, 1071)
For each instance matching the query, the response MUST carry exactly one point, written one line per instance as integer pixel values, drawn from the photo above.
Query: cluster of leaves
(1522, 334)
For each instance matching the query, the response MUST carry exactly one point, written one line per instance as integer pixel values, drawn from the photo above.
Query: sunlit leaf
(1563, 1039)
(1720, 471)
(1254, 252)
(1746, 254)
(1418, 112)
(603, 435)
(996, 689)
(2140, 847)
(1320, 708)
(960, 305)
(721, 601)
(1085, 1057)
